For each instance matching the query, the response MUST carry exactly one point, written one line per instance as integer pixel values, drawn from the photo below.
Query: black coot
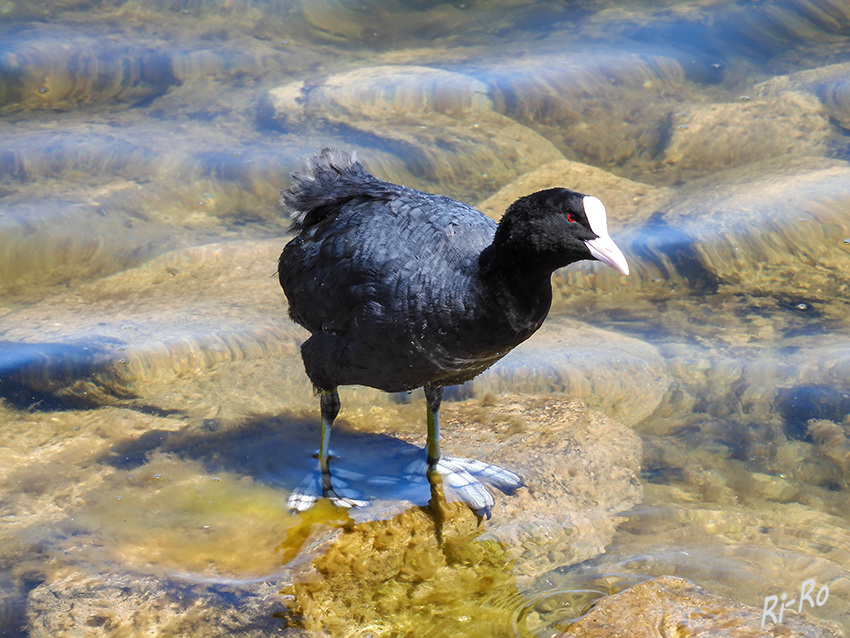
(403, 289)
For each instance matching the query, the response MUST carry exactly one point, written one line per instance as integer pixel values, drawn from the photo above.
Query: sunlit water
(154, 414)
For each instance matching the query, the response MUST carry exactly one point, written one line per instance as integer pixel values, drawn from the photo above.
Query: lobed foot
(466, 479)
(317, 485)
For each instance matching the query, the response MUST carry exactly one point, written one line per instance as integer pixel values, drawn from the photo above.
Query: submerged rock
(119, 567)
(627, 202)
(670, 606)
(90, 203)
(719, 136)
(586, 103)
(795, 243)
(394, 577)
(829, 83)
(580, 468)
(834, 443)
(442, 123)
(746, 549)
(387, 24)
(72, 70)
(776, 227)
(623, 377)
(217, 309)
(123, 606)
(175, 316)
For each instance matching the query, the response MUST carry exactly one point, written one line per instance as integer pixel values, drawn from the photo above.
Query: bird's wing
(379, 260)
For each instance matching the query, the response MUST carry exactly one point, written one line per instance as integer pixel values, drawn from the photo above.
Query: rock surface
(444, 119)
(129, 606)
(720, 136)
(623, 377)
(580, 468)
(670, 606)
(627, 202)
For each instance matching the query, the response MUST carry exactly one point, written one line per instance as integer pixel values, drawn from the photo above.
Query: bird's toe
(317, 485)
(466, 479)
(305, 494)
(469, 489)
(498, 477)
(348, 503)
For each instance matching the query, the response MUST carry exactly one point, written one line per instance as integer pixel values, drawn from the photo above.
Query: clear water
(154, 414)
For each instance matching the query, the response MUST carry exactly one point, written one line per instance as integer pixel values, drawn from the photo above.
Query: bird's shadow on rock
(281, 450)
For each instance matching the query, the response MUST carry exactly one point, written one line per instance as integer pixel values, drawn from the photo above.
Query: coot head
(553, 228)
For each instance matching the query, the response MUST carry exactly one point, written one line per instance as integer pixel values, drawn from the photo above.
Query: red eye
(570, 218)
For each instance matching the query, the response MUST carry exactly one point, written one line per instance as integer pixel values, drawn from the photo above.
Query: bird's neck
(525, 290)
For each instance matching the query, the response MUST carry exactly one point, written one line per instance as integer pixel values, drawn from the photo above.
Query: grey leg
(317, 484)
(330, 409)
(434, 398)
(459, 476)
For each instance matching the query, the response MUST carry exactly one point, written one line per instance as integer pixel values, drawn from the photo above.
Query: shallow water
(154, 414)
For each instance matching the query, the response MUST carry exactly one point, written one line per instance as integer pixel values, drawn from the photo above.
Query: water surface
(154, 414)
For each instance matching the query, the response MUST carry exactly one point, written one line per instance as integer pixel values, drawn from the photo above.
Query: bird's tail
(330, 178)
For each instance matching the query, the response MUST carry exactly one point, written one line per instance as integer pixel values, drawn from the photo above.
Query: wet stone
(745, 553)
(105, 340)
(114, 202)
(774, 227)
(443, 120)
(834, 443)
(623, 377)
(760, 408)
(719, 136)
(586, 102)
(134, 605)
(802, 207)
(154, 409)
(384, 25)
(391, 577)
(829, 83)
(45, 74)
(580, 469)
(673, 606)
(628, 203)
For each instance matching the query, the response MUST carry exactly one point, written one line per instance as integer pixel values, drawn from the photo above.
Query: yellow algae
(394, 576)
(171, 516)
